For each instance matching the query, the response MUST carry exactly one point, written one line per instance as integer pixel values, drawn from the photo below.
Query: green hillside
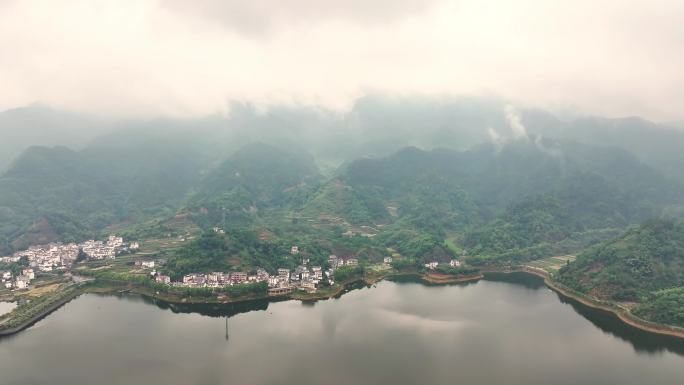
(51, 194)
(254, 180)
(644, 266)
(527, 199)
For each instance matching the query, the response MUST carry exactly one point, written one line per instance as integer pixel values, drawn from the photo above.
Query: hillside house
(352, 262)
(163, 279)
(22, 282)
(29, 273)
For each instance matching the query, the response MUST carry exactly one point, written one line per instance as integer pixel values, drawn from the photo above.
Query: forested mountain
(256, 177)
(38, 125)
(503, 201)
(645, 265)
(376, 125)
(511, 200)
(508, 199)
(657, 145)
(520, 200)
(59, 194)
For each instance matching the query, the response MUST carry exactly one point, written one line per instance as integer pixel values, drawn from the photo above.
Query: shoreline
(439, 279)
(623, 314)
(114, 287)
(41, 314)
(431, 279)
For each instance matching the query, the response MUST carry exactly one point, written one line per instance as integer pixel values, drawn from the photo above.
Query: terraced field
(552, 264)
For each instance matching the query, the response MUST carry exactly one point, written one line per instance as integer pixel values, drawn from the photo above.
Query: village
(58, 256)
(304, 277)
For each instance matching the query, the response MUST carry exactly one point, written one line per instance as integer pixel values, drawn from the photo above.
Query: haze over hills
(352, 185)
(480, 178)
(39, 125)
(376, 125)
(57, 193)
(517, 193)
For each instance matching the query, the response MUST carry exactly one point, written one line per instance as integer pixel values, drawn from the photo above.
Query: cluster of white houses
(19, 282)
(56, 256)
(433, 265)
(303, 277)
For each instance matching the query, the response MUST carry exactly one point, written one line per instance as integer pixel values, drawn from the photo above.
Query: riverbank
(115, 287)
(622, 313)
(436, 278)
(39, 314)
(105, 286)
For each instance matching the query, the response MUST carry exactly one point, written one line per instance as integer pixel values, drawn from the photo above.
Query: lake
(6, 307)
(506, 329)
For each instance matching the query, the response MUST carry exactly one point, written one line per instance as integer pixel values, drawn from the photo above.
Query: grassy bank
(27, 314)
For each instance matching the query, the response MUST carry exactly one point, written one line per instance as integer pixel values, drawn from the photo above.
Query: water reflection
(503, 329)
(642, 341)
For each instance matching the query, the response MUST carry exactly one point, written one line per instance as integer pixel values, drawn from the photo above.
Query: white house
(147, 264)
(29, 273)
(163, 279)
(114, 241)
(432, 265)
(294, 250)
(22, 282)
(387, 260)
(455, 263)
(352, 262)
(284, 275)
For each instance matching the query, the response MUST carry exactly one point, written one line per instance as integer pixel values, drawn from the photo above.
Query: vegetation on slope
(644, 266)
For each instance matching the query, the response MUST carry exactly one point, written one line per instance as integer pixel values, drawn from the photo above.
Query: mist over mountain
(440, 164)
(39, 125)
(376, 125)
(486, 155)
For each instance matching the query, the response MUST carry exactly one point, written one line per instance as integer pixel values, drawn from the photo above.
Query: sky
(179, 58)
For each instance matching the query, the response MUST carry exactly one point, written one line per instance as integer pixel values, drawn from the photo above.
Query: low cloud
(262, 17)
(181, 58)
(515, 122)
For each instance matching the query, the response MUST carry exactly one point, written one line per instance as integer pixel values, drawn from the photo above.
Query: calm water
(507, 330)
(6, 307)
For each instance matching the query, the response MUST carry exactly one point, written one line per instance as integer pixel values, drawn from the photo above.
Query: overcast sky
(189, 58)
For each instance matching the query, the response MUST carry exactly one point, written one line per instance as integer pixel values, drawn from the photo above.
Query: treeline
(458, 271)
(348, 273)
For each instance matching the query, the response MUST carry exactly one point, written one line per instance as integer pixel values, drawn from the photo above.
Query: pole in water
(226, 328)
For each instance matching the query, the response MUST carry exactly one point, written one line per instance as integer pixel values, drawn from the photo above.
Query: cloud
(182, 58)
(514, 122)
(259, 17)
(497, 140)
(417, 323)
